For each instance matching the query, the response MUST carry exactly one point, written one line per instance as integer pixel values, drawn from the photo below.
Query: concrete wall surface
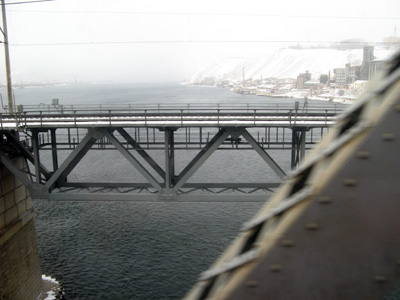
(20, 274)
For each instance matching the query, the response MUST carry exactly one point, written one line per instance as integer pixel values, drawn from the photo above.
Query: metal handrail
(81, 115)
(172, 107)
(157, 111)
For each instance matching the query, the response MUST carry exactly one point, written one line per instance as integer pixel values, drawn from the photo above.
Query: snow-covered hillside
(283, 63)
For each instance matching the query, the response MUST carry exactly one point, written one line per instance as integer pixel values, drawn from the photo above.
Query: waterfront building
(368, 56)
(374, 67)
(347, 75)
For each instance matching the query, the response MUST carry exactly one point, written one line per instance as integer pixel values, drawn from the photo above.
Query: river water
(138, 250)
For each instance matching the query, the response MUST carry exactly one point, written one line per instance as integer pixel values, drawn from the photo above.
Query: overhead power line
(27, 2)
(197, 42)
(209, 14)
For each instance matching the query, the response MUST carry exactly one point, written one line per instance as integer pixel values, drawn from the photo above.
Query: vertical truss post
(200, 136)
(303, 144)
(54, 149)
(36, 155)
(295, 148)
(298, 146)
(293, 151)
(169, 159)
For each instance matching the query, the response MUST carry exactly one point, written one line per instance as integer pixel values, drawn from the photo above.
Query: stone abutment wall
(20, 274)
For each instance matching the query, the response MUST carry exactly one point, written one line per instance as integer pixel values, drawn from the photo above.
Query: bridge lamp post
(7, 56)
(7, 51)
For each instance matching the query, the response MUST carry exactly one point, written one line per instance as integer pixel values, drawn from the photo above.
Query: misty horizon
(168, 41)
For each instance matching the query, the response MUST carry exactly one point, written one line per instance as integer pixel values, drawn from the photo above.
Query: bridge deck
(136, 131)
(186, 116)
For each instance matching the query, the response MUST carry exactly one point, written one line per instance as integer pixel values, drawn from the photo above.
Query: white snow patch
(48, 278)
(50, 296)
(285, 63)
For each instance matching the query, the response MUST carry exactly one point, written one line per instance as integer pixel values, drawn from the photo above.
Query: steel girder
(172, 186)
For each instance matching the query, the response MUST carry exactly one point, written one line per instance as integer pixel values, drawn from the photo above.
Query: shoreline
(299, 94)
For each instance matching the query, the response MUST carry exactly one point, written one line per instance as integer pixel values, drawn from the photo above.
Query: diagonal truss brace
(201, 157)
(264, 155)
(74, 158)
(141, 152)
(26, 153)
(59, 176)
(134, 162)
(5, 160)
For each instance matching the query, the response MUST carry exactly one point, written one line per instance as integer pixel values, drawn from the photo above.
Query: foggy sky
(138, 41)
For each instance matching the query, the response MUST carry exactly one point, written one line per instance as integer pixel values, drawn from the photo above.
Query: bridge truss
(137, 133)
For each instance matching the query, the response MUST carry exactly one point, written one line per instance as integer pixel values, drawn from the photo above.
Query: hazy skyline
(141, 41)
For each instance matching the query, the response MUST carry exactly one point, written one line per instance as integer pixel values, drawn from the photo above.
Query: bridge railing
(194, 107)
(174, 115)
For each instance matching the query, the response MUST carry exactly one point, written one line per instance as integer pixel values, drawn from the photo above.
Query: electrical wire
(211, 14)
(197, 42)
(28, 2)
(205, 14)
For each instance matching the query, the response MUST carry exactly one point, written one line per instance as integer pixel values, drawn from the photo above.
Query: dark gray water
(131, 250)
(127, 250)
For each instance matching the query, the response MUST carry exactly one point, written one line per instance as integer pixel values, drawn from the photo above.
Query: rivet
(350, 182)
(312, 226)
(363, 154)
(380, 278)
(388, 136)
(275, 268)
(251, 283)
(287, 243)
(325, 199)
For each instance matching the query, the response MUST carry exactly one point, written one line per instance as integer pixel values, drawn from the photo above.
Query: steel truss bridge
(135, 131)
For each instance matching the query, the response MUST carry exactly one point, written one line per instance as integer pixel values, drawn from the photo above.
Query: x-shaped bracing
(171, 183)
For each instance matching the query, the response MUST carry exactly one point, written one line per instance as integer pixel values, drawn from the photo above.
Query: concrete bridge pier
(20, 273)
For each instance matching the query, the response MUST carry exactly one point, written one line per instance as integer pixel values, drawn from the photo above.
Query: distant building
(312, 84)
(306, 75)
(358, 85)
(301, 79)
(323, 79)
(374, 67)
(347, 75)
(340, 75)
(368, 56)
(300, 82)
